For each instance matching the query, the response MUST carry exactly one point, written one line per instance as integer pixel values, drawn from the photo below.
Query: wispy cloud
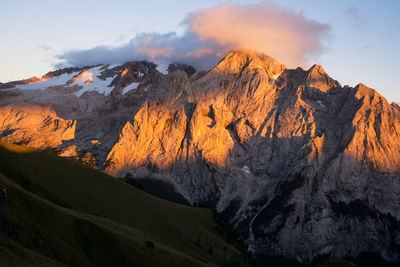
(290, 37)
(356, 15)
(45, 47)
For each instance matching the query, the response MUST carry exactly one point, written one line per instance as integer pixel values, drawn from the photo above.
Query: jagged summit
(235, 60)
(103, 79)
(285, 154)
(119, 79)
(318, 78)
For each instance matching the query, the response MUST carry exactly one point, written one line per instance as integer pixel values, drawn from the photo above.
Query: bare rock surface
(299, 164)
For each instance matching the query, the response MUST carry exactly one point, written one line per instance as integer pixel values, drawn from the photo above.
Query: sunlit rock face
(299, 164)
(34, 126)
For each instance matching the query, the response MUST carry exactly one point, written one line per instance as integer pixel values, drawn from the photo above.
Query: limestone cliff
(299, 164)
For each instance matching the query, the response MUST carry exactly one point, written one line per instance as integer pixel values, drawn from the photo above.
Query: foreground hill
(299, 164)
(55, 211)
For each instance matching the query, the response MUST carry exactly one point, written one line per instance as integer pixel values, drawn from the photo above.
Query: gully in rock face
(300, 165)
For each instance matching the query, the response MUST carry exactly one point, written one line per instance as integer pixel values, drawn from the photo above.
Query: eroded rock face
(301, 165)
(34, 126)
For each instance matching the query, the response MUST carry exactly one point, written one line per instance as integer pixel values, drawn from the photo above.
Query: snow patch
(97, 85)
(162, 68)
(246, 169)
(132, 86)
(84, 77)
(87, 79)
(43, 85)
(111, 66)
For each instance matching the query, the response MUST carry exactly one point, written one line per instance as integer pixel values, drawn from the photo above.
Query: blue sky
(363, 44)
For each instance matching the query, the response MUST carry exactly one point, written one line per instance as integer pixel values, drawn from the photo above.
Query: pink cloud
(154, 52)
(265, 27)
(290, 37)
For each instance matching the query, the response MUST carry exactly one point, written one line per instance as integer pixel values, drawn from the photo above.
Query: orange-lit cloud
(210, 33)
(154, 52)
(265, 27)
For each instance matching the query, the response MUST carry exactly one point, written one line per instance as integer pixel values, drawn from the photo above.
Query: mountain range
(300, 165)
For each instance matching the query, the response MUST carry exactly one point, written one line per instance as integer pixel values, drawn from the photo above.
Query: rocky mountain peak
(287, 160)
(316, 70)
(141, 72)
(364, 91)
(237, 60)
(318, 78)
(190, 70)
(173, 85)
(176, 79)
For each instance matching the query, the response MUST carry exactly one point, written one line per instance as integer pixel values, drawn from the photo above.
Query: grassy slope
(13, 254)
(80, 216)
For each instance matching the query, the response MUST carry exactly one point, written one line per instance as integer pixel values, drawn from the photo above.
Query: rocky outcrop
(143, 73)
(34, 126)
(190, 70)
(284, 153)
(299, 164)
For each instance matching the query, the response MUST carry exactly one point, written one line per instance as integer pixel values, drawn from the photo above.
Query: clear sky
(363, 43)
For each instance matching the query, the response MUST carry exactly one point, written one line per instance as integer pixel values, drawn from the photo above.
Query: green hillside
(60, 212)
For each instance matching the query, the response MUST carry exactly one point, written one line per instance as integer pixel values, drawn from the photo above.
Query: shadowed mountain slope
(285, 154)
(56, 210)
